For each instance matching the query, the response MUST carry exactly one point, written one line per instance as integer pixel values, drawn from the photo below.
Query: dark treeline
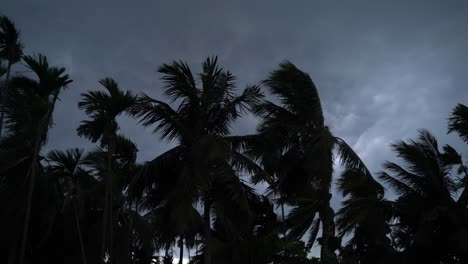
(198, 199)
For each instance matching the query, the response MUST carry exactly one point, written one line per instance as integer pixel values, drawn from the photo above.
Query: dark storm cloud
(383, 69)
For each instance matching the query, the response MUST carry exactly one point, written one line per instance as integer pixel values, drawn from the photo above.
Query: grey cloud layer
(383, 69)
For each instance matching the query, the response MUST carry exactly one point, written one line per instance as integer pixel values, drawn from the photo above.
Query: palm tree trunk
(130, 241)
(104, 225)
(32, 178)
(326, 215)
(4, 95)
(107, 213)
(464, 195)
(188, 253)
(42, 126)
(207, 235)
(78, 229)
(283, 224)
(111, 218)
(181, 249)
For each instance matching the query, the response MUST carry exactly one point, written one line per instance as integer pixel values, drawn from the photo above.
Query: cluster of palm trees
(199, 198)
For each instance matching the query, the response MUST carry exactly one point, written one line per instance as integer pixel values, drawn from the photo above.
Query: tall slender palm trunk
(4, 93)
(207, 233)
(104, 226)
(107, 221)
(283, 223)
(42, 127)
(130, 240)
(78, 230)
(464, 194)
(181, 249)
(188, 253)
(327, 216)
(111, 206)
(27, 217)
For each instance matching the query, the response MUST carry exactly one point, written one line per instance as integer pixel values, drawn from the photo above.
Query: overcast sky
(383, 68)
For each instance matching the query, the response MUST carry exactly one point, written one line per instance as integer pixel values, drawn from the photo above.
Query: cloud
(383, 70)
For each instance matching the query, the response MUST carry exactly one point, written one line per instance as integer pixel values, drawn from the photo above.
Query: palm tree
(67, 167)
(432, 224)
(28, 118)
(201, 168)
(132, 234)
(458, 122)
(11, 50)
(365, 214)
(296, 148)
(103, 108)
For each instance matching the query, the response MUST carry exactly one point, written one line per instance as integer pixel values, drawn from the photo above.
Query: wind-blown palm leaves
(365, 215)
(294, 145)
(431, 220)
(458, 121)
(11, 50)
(200, 168)
(103, 108)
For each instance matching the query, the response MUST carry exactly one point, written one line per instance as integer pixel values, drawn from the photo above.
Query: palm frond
(450, 156)
(297, 92)
(24, 85)
(51, 78)
(125, 149)
(398, 186)
(223, 114)
(94, 102)
(11, 47)
(179, 81)
(168, 123)
(369, 213)
(244, 164)
(416, 182)
(93, 129)
(313, 232)
(217, 84)
(354, 183)
(65, 162)
(301, 217)
(103, 108)
(458, 122)
(158, 176)
(349, 158)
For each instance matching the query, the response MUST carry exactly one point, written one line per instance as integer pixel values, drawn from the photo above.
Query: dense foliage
(199, 199)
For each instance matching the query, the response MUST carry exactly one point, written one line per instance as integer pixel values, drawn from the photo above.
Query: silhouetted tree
(296, 148)
(432, 223)
(103, 108)
(202, 167)
(11, 50)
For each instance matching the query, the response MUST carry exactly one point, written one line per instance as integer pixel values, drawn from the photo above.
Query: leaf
(458, 122)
